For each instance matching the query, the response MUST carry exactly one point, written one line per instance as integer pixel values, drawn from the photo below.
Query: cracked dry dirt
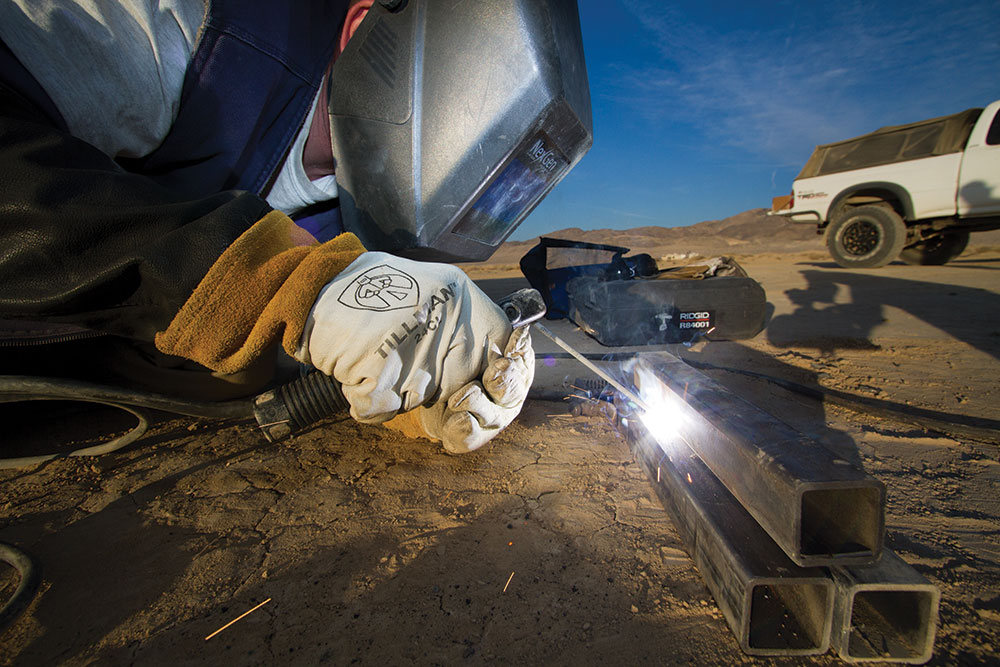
(549, 547)
(371, 547)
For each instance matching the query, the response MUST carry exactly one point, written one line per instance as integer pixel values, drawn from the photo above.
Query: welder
(177, 189)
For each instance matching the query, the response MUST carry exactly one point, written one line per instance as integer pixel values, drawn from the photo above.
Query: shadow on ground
(822, 320)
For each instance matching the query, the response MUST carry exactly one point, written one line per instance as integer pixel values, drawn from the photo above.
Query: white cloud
(831, 72)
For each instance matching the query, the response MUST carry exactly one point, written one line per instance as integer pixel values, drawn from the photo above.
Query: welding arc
(946, 423)
(977, 428)
(628, 393)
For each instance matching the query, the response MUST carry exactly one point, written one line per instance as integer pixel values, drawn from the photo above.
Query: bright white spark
(665, 415)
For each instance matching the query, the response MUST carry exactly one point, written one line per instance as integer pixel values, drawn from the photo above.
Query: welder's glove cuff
(399, 334)
(478, 411)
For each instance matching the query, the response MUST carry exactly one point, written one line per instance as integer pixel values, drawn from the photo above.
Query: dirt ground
(547, 547)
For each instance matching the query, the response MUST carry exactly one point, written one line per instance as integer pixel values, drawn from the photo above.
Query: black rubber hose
(312, 398)
(15, 388)
(26, 388)
(290, 408)
(31, 577)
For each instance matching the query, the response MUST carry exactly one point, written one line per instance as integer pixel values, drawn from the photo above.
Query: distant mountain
(749, 232)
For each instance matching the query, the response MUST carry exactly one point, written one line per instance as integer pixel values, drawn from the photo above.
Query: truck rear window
(993, 136)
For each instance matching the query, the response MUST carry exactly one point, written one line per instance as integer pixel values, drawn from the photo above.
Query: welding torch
(290, 408)
(280, 412)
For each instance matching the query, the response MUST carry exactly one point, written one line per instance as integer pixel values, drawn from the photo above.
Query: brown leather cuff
(259, 290)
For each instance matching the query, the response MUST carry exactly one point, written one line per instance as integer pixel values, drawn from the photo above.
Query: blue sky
(706, 109)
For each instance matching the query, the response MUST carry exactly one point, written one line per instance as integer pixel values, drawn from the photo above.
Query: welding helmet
(450, 121)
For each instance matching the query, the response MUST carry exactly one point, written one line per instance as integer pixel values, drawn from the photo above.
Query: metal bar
(819, 508)
(886, 612)
(773, 606)
(628, 393)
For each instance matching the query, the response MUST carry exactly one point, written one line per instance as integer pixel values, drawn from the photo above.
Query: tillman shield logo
(381, 288)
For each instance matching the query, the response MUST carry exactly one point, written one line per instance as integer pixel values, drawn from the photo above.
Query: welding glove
(399, 335)
(474, 414)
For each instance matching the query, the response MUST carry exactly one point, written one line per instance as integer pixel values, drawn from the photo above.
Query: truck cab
(979, 179)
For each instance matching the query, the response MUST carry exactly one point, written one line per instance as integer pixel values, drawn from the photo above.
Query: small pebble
(635, 610)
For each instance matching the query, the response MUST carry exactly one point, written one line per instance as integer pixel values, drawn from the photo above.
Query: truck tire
(936, 250)
(865, 237)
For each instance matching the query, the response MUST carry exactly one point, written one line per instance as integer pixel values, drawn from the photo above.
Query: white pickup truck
(911, 191)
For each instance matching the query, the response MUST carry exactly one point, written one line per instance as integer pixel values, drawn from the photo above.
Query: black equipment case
(623, 300)
(659, 311)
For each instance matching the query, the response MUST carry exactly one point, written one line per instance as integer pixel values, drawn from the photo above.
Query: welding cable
(31, 577)
(26, 388)
(15, 388)
(112, 445)
(946, 423)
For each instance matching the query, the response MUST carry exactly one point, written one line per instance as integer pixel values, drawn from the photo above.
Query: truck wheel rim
(860, 238)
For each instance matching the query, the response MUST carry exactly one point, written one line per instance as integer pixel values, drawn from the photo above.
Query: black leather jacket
(84, 242)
